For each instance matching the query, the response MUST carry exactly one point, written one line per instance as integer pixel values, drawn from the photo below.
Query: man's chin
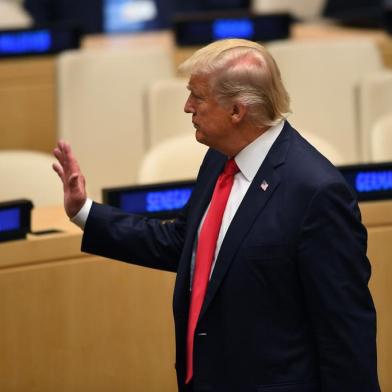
(202, 139)
(199, 137)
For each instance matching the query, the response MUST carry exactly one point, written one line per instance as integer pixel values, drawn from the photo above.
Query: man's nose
(188, 107)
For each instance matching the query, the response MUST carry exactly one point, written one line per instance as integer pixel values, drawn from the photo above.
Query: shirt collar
(250, 158)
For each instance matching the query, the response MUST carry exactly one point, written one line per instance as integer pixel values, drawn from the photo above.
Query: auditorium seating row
(338, 91)
(117, 107)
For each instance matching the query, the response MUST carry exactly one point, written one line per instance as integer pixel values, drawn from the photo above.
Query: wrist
(81, 215)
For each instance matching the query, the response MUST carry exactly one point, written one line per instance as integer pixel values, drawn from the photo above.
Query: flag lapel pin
(264, 185)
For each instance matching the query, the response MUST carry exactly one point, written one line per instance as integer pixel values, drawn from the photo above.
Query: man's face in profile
(211, 120)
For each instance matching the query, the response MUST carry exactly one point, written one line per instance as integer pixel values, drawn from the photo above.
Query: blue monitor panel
(27, 42)
(15, 218)
(371, 181)
(200, 29)
(9, 219)
(165, 200)
(157, 200)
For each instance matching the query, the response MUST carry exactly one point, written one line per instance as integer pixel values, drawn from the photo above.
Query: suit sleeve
(334, 272)
(135, 239)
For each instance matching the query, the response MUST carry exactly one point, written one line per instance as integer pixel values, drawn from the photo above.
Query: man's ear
(238, 112)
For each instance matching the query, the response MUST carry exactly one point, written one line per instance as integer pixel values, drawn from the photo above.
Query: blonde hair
(245, 72)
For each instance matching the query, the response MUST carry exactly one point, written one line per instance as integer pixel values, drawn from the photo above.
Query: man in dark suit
(286, 305)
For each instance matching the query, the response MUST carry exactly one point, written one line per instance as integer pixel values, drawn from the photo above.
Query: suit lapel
(204, 197)
(251, 206)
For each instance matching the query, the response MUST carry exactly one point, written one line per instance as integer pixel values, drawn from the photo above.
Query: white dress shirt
(248, 161)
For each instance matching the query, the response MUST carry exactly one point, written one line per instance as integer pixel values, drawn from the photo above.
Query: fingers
(58, 152)
(74, 184)
(67, 161)
(59, 170)
(58, 155)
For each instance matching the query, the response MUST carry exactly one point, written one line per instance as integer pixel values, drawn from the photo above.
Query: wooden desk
(377, 217)
(75, 322)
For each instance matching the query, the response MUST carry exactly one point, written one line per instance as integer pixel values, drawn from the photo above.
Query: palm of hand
(74, 183)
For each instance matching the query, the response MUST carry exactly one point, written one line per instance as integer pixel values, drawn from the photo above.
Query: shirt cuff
(80, 218)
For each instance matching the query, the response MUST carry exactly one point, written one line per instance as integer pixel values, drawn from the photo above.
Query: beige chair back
(375, 101)
(326, 148)
(177, 158)
(322, 78)
(29, 175)
(13, 16)
(102, 112)
(165, 107)
(381, 139)
(302, 9)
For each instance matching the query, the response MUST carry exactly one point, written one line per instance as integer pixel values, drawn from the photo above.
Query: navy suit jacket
(287, 308)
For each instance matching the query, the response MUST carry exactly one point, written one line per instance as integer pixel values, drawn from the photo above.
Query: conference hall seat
(165, 108)
(323, 78)
(13, 16)
(177, 158)
(28, 175)
(301, 9)
(375, 101)
(381, 139)
(101, 95)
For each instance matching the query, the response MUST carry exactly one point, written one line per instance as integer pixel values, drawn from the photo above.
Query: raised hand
(74, 183)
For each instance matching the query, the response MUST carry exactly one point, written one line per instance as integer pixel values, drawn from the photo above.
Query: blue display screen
(193, 30)
(38, 41)
(9, 219)
(373, 181)
(370, 181)
(229, 28)
(140, 202)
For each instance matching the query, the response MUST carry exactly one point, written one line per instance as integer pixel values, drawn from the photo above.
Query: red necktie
(205, 252)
